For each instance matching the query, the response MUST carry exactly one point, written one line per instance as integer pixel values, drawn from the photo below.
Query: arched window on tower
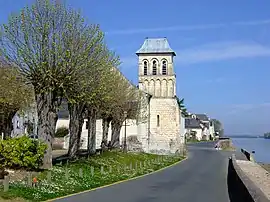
(145, 68)
(154, 67)
(164, 68)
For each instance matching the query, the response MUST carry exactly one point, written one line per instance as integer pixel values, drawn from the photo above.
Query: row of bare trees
(59, 56)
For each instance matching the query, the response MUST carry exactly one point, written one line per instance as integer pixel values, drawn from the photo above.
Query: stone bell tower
(157, 77)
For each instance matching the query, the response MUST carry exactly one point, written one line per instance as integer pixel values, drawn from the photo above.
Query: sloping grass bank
(85, 174)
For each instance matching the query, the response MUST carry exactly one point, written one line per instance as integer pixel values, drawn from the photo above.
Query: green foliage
(182, 106)
(58, 53)
(14, 94)
(22, 152)
(218, 127)
(267, 135)
(61, 132)
(121, 95)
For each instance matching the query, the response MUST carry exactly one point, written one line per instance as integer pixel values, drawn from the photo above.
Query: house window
(154, 67)
(18, 124)
(158, 121)
(164, 68)
(145, 68)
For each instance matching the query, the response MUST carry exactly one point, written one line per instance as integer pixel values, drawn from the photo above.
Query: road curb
(119, 182)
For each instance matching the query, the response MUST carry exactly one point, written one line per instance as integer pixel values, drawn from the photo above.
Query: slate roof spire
(155, 45)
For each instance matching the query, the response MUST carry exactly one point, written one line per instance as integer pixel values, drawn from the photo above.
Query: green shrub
(61, 132)
(22, 152)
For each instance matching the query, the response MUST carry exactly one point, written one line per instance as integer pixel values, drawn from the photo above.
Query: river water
(261, 147)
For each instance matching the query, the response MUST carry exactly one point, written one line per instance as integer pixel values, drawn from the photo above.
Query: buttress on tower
(157, 78)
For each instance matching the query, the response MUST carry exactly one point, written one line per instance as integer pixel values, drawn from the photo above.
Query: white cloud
(222, 51)
(240, 108)
(162, 29)
(260, 22)
(186, 27)
(211, 52)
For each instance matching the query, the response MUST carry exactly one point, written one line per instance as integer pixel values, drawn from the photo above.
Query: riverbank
(250, 156)
(85, 174)
(261, 147)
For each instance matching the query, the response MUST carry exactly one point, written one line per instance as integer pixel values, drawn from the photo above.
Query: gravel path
(257, 174)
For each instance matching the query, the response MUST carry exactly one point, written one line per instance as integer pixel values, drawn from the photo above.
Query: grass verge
(77, 176)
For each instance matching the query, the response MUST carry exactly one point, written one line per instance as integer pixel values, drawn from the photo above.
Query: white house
(212, 130)
(201, 125)
(205, 122)
(193, 128)
(23, 120)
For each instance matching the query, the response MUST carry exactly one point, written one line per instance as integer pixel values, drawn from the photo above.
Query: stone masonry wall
(165, 137)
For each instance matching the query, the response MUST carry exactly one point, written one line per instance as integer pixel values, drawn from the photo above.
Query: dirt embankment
(226, 145)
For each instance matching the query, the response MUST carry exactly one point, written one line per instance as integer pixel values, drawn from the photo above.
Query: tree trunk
(75, 128)
(91, 143)
(8, 129)
(105, 129)
(47, 105)
(116, 128)
(8, 125)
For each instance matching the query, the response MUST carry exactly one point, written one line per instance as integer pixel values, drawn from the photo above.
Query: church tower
(157, 78)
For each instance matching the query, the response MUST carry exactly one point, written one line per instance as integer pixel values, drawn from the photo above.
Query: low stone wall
(58, 143)
(241, 187)
(225, 144)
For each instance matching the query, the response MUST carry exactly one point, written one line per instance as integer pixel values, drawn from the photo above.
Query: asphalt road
(200, 178)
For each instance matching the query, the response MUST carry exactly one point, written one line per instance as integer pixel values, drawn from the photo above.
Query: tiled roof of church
(155, 45)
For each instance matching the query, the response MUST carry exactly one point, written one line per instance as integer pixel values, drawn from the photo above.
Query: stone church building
(162, 129)
(157, 77)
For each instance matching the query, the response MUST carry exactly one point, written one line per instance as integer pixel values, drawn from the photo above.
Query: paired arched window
(145, 68)
(154, 67)
(164, 67)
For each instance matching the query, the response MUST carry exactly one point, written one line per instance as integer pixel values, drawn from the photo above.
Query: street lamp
(125, 140)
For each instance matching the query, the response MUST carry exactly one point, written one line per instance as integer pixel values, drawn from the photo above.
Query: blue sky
(223, 50)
